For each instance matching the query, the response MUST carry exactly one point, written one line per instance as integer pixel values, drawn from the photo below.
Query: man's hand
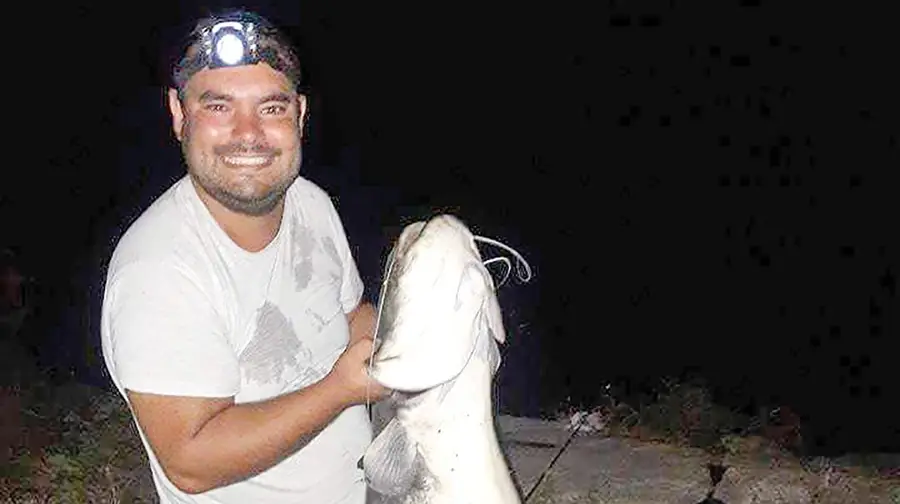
(351, 374)
(362, 322)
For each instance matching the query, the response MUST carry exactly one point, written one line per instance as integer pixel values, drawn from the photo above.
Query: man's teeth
(247, 160)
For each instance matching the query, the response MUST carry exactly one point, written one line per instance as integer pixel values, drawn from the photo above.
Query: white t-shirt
(187, 312)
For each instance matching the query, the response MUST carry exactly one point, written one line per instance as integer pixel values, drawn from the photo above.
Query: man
(232, 321)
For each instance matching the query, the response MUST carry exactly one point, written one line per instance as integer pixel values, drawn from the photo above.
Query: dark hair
(274, 48)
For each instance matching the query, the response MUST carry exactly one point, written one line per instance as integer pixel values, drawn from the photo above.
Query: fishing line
(387, 276)
(558, 454)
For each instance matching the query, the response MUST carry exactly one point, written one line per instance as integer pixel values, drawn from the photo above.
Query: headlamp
(235, 39)
(230, 43)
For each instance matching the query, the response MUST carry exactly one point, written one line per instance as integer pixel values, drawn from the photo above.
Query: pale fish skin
(438, 331)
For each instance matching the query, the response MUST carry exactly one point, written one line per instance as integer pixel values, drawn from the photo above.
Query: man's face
(240, 130)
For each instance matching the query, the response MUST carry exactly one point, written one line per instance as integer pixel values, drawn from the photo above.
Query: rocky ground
(614, 470)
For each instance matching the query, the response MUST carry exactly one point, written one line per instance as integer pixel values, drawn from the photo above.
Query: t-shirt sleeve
(351, 283)
(165, 334)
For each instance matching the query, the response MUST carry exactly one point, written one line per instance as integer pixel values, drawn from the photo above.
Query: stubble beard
(207, 175)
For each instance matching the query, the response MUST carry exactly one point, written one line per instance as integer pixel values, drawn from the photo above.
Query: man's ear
(177, 112)
(303, 115)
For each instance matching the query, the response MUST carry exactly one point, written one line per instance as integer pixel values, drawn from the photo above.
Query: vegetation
(72, 444)
(685, 414)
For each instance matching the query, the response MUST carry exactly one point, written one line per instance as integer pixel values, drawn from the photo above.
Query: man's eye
(216, 107)
(274, 109)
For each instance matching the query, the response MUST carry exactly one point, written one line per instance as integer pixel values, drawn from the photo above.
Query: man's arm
(362, 322)
(204, 443)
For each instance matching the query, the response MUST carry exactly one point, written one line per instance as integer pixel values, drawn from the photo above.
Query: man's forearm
(245, 439)
(257, 435)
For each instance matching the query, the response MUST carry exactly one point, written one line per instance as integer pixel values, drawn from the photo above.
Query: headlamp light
(230, 43)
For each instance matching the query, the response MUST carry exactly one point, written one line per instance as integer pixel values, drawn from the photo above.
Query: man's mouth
(247, 161)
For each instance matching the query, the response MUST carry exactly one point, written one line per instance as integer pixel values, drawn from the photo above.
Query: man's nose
(248, 126)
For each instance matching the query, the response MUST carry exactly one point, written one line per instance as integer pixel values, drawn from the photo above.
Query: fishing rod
(553, 461)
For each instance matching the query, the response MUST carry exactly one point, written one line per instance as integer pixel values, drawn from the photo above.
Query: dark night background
(705, 187)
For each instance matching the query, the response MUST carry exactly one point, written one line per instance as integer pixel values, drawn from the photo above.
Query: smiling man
(232, 321)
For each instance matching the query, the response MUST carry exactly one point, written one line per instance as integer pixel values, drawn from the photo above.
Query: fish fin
(389, 462)
(494, 357)
(494, 316)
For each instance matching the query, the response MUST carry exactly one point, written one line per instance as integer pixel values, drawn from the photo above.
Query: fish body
(437, 348)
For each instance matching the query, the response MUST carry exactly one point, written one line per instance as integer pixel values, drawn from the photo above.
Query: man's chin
(255, 207)
(254, 202)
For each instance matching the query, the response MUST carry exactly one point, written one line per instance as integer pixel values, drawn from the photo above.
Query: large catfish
(436, 347)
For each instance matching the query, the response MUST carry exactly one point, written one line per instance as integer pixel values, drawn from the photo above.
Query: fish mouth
(379, 359)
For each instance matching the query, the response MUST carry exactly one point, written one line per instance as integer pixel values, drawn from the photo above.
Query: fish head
(437, 299)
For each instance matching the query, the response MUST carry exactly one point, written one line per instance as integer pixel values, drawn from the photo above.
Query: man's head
(240, 126)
